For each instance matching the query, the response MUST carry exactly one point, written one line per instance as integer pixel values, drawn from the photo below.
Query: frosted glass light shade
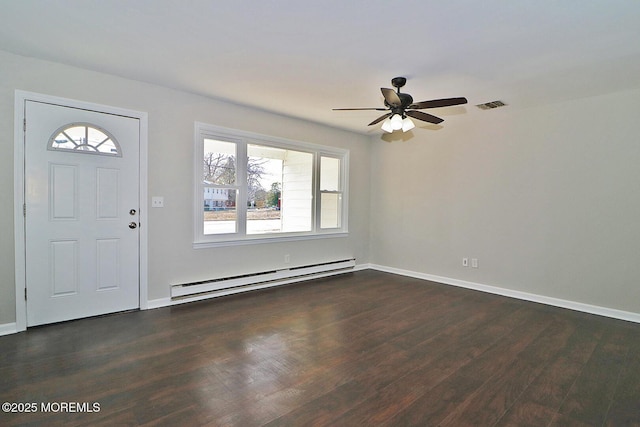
(407, 124)
(386, 125)
(396, 122)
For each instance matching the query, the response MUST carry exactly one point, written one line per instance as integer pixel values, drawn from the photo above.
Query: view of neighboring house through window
(255, 187)
(219, 187)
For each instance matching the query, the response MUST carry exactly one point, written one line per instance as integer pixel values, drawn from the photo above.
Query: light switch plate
(157, 202)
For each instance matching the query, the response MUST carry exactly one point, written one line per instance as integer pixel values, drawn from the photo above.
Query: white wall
(171, 120)
(548, 200)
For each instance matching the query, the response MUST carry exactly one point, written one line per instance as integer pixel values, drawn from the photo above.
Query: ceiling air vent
(490, 105)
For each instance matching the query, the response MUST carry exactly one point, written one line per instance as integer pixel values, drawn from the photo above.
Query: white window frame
(242, 139)
(319, 191)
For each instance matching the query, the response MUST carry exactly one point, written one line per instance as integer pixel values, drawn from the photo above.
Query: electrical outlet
(465, 262)
(474, 262)
(287, 259)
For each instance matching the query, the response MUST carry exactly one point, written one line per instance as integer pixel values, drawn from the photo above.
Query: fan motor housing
(406, 99)
(398, 82)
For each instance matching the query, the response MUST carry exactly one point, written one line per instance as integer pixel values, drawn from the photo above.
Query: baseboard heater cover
(236, 284)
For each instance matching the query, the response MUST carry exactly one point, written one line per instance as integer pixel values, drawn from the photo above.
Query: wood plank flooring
(360, 349)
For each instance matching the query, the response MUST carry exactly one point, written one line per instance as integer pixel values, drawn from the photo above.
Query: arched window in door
(84, 138)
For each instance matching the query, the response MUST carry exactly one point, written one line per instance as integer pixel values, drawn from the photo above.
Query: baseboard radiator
(248, 282)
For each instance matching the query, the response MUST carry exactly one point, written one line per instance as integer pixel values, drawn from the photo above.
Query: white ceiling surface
(303, 58)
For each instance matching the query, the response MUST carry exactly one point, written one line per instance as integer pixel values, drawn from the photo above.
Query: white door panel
(82, 258)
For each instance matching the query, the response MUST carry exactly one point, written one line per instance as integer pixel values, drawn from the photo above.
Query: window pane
(219, 201)
(102, 142)
(219, 162)
(329, 174)
(297, 191)
(77, 136)
(279, 184)
(330, 193)
(330, 212)
(220, 215)
(264, 184)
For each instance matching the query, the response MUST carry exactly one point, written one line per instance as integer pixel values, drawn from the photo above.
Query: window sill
(262, 239)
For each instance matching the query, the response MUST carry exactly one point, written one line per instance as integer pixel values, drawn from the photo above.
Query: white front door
(82, 196)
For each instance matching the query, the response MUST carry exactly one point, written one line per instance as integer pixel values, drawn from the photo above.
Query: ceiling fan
(400, 105)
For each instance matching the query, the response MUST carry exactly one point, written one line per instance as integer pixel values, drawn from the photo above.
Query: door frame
(21, 97)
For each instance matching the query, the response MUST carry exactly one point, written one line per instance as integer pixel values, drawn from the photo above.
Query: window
(252, 188)
(330, 192)
(84, 138)
(287, 205)
(219, 187)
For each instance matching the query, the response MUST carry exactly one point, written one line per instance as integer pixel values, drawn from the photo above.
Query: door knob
(133, 225)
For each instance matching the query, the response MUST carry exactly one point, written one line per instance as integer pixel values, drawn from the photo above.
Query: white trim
(360, 267)
(542, 299)
(19, 197)
(144, 208)
(159, 303)
(281, 237)
(8, 328)
(18, 206)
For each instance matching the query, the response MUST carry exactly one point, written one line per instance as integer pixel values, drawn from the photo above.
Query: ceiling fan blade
(357, 109)
(436, 103)
(391, 97)
(424, 117)
(379, 119)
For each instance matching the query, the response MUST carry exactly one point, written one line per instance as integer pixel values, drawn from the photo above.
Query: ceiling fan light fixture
(399, 105)
(386, 125)
(396, 122)
(407, 124)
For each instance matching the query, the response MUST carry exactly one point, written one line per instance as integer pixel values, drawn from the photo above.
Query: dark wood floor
(361, 349)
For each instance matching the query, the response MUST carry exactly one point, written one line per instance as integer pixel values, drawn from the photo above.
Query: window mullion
(316, 192)
(241, 171)
(199, 185)
(344, 191)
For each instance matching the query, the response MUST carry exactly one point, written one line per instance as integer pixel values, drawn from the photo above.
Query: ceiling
(303, 58)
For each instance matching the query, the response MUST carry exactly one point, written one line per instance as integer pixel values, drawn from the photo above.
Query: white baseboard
(8, 328)
(157, 303)
(360, 267)
(542, 299)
